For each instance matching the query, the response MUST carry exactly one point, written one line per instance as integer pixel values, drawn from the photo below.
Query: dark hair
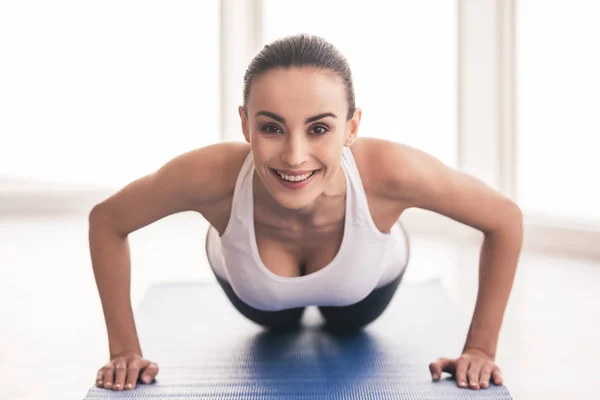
(301, 50)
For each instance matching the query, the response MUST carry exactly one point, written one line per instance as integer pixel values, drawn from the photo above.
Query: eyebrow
(308, 120)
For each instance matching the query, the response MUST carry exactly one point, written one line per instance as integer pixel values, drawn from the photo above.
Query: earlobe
(354, 124)
(349, 139)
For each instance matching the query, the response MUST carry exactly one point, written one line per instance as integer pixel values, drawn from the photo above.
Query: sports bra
(367, 258)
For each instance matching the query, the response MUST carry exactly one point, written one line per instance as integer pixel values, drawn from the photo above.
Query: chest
(291, 251)
(297, 252)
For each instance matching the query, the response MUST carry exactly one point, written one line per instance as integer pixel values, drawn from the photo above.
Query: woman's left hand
(473, 369)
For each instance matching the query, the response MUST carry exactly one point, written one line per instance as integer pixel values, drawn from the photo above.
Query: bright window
(559, 108)
(105, 92)
(403, 59)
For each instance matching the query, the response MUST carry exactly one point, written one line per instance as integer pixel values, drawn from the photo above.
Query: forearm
(498, 263)
(111, 263)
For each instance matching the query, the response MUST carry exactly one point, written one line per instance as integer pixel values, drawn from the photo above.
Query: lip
(294, 173)
(294, 185)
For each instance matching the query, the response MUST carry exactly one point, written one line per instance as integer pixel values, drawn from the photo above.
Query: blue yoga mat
(206, 350)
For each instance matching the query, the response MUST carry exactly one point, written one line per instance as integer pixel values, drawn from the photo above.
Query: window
(558, 109)
(405, 86)
(105, 92)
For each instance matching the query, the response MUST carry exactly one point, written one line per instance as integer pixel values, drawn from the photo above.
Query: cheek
(260, 150)
(332, 163)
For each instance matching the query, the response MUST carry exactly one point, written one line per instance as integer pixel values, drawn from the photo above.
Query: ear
(353, 126)
(244, 121)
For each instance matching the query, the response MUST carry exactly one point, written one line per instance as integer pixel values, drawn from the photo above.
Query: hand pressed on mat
(473, 369)
(123, 371)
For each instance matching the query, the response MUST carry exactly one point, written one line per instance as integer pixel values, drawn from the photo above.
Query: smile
(294, 181)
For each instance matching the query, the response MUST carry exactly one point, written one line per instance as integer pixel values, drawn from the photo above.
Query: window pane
(403, 58)
(559, 104)
(105, 92)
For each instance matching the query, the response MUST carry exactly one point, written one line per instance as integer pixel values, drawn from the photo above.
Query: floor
(53, 337)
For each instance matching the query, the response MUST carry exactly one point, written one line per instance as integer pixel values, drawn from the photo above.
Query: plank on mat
(206, 350)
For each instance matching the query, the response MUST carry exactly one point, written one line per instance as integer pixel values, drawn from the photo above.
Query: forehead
(297, 88)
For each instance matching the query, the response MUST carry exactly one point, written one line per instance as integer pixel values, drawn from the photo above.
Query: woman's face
(297, 126)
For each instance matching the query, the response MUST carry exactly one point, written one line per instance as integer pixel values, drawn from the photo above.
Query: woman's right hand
(123, 371)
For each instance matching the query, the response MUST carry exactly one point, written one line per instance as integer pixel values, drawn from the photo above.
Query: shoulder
(228, 157)
(415, 178)
(217, 166)
(387, 169)
(193, 181)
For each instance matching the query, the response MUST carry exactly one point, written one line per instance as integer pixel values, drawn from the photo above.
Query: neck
(318, 213)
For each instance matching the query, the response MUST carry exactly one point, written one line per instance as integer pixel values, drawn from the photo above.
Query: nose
(296, 150)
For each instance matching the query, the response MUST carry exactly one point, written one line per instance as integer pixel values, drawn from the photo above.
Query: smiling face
(297, 127)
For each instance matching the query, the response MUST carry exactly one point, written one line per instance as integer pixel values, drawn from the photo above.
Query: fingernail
(117, 386)
(146, 379)
(463, 383)
(129, 386)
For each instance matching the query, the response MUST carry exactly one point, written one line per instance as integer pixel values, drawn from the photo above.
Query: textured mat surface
(206, 350)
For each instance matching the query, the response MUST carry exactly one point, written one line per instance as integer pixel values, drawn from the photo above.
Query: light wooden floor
(53, 337)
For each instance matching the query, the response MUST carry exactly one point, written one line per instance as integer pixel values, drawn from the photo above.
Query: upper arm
(185, 183)
(418, 179)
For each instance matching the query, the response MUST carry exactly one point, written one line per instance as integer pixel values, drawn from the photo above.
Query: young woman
(303, 212)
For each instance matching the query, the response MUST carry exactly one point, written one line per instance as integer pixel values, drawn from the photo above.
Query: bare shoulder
(213, 169)
(414, 178)
(192, 181)
(385, 166)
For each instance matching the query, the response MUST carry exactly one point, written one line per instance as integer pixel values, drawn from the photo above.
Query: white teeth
(297, 178)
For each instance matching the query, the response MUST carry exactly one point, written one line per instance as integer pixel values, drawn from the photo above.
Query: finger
(100, 377)
(473, 375)
(462, 366)
(448, 365)
(109, 376)
(435, 369)
(121, 372)
(149, 372)
(441, 365)
(484, 378)
(497, 377)
(133, 371)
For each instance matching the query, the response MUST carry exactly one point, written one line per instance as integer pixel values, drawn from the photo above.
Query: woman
(305, 213)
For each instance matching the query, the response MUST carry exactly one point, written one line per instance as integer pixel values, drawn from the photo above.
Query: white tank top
(367, 258)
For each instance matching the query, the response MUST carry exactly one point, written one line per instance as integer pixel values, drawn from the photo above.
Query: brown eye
(270, 129)
(320, 130)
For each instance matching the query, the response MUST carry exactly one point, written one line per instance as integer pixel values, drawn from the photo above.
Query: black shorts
(339, 319)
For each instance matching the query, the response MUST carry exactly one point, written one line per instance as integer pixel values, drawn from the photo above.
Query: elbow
(98, 216)
(513, 222)
(509, 221)
(517, 214)
(95, 213)
(104, 218)
(513, 216)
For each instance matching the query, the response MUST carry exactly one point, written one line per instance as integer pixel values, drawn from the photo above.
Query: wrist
(491, 353)
(119, 351)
